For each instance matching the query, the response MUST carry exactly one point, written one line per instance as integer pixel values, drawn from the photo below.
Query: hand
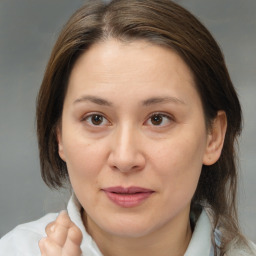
(63, 238)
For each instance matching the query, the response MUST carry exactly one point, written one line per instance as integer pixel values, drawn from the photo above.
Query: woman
(138, 113)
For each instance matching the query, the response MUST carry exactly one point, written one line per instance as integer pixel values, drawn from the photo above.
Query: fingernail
(52, 228)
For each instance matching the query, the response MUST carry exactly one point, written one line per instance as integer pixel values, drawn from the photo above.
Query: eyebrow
(147, 102)
(94, 99)
(157, 100)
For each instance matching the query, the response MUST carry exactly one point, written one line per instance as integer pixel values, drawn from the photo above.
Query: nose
(126, 150)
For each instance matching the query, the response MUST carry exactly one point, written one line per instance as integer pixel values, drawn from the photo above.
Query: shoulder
(23, 240)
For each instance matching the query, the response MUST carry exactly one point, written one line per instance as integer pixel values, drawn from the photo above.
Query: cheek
(179, 163)
(84, 159)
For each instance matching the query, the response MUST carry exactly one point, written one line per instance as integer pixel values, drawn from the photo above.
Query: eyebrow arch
(157, 100)
(94, 99)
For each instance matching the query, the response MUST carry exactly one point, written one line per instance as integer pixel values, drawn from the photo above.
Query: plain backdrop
(28, 30)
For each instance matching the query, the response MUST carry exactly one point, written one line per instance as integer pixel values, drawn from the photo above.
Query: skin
(63, 238)
(136, 82)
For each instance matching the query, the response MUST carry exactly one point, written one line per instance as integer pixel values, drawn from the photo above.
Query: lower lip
(128, 200)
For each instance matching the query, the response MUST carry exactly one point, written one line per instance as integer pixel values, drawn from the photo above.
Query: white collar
(200, 243)
(88, 246)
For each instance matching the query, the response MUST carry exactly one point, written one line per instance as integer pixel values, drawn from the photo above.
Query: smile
(127, 197)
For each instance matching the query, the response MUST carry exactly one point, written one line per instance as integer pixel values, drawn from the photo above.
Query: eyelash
(162, 116)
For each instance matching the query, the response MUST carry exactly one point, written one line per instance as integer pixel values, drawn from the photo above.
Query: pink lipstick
(127, 197)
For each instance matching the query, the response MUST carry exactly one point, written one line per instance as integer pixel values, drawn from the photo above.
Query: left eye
(96, 120)
(159, 120)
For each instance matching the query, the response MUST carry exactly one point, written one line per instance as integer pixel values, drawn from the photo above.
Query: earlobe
(215, 139)
(60, 144)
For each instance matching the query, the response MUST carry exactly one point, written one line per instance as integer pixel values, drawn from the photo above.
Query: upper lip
(128, 190)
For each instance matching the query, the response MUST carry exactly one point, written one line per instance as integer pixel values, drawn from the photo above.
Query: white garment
(23, 240)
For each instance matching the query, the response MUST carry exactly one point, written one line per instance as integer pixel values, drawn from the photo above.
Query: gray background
(28, 29)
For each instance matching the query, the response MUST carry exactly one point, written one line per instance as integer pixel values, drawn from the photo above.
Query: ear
(60, 143)
(215, 139)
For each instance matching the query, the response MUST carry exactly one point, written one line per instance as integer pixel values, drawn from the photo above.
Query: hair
(164, 23)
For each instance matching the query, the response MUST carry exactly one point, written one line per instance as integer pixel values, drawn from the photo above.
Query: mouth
(127, 197)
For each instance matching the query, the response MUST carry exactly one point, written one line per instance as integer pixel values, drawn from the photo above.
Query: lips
(127, 197)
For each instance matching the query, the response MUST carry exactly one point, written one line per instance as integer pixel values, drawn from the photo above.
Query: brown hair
(165, 23)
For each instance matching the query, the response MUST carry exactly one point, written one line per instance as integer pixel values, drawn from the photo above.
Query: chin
(128, 228)
(129, 232)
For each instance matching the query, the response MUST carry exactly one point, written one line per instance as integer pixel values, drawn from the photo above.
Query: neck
(170, 240)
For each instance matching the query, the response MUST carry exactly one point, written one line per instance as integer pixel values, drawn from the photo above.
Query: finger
(75, 235)
(72, 245)
(64, 220)
(41, 246)
(49, 248)
(58, 230)
(50, 228)
(57, 233)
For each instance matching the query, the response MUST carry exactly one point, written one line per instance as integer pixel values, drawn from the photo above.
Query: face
(133, 137)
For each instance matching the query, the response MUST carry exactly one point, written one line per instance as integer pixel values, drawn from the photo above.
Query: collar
(200, 243)
(88, 246)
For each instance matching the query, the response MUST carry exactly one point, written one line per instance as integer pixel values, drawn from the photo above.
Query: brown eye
(159, 120)
(97, 119)
(156, 119)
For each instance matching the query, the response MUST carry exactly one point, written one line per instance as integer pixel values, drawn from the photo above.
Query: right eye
(96, 120)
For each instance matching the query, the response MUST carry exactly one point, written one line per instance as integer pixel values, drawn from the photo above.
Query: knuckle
(41, 243)
(77, 230)
(75, 235)
(49, 247)
(50, 228)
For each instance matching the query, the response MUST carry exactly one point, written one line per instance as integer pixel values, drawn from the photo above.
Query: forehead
(140, 56)
(140, 65)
